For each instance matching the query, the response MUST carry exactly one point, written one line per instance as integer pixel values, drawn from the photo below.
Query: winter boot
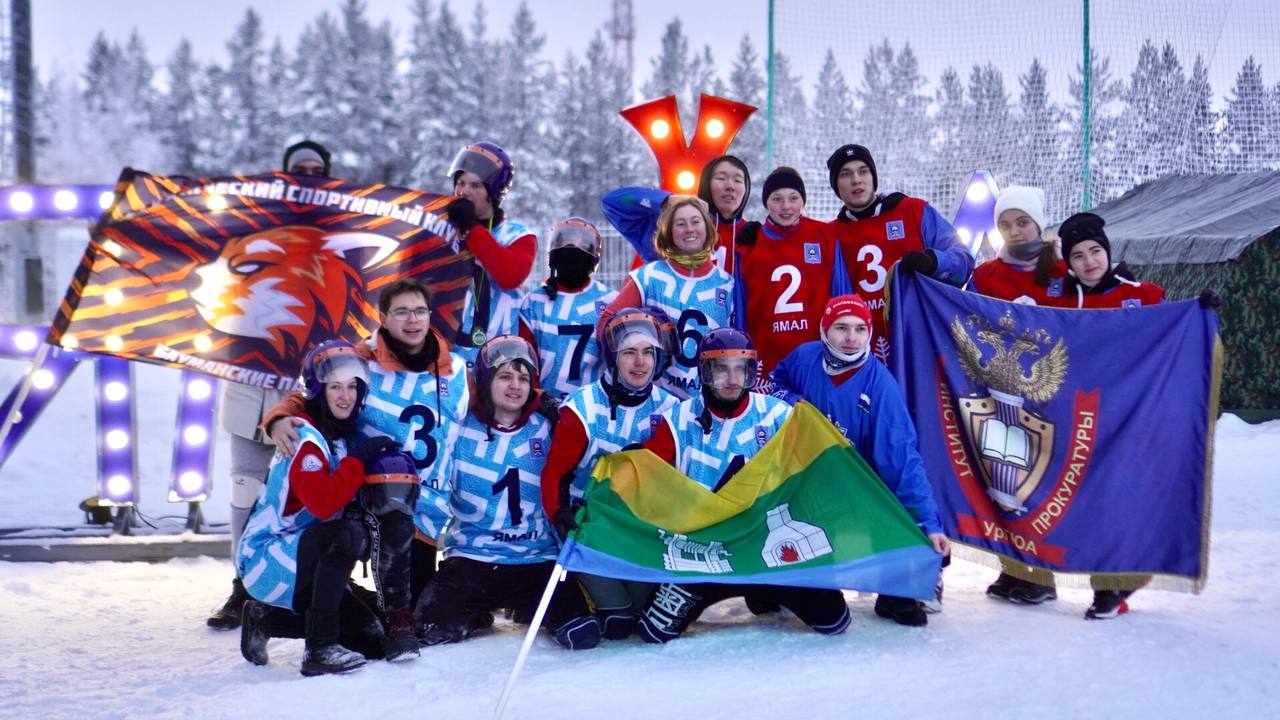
(904, 611)
(1025, 592)
(934, 606)
(401, 641)
(761, 605)
(1107, 604)
(324, 654)
(580, 633)
(616, 624)
(253, 633)
(440, 633)
(1001, 587)
(227, 617)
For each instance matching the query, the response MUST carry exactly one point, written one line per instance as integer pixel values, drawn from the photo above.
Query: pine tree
(830, 120)
(1107, 100)
(1201, 154)
(320, 115)
(989, 129)
(791, 116)
(747, 85)
(281, 96)
(1038, 138)
(672, 75)
(1245, 130)
(247, 148)
(908, 151)
(949, 149)
(877, 107)
(181, 127)
(519, 119)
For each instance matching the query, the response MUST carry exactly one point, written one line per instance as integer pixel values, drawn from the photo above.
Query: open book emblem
(1012, 442)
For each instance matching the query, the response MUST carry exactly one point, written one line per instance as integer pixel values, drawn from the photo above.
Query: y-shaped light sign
(679, 163)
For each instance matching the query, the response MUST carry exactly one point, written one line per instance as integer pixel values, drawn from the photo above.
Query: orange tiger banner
(237, 277)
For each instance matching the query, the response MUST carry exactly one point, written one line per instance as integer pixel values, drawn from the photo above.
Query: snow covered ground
(127, 640)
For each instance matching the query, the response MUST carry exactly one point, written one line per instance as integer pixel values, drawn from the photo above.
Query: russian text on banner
(806, 511)
(1075, 441)
(237, 277)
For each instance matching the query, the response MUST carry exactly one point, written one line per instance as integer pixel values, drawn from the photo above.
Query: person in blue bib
(559, 317)
(613, 413)
(498, 548)
(686, 284)
(843, 379)
(709, 437)
(299, 546)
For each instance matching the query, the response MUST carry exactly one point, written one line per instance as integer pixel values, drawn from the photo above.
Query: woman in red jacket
(1027, 270)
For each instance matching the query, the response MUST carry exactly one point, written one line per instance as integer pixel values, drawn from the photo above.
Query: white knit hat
(1029, 200)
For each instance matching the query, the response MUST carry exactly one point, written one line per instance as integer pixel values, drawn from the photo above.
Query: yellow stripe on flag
(660, 495)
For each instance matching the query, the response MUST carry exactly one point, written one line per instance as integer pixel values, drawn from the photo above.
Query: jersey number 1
(511, 483)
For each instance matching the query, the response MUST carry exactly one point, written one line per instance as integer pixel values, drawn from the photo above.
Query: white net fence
(938, 90)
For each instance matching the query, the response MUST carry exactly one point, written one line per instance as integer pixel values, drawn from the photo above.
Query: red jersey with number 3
(787, 279)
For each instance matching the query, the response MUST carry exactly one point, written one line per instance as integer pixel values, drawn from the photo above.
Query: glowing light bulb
(202, 343)
(978, 192)
(42, 379)
(21, 201)
(195, 435)
(26, 341)
(70, 342)
(114, 343)
(198, 389)
(65, 200)
(216, 203)
(115, 391)
(119, 486)
(685, 180)
(190, 482)
(105, 199)
(113, 297)
(660, 129)
(117, 439)
(714, 128)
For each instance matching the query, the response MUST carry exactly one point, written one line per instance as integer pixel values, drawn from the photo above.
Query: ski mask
(571, 267)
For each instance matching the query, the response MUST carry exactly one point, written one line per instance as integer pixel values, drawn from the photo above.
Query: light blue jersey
(267, 556)
(610, 432)
(424, 415)
(712, 458)
(697, 305)
(564, 331)
(496, 497)
(504, 305)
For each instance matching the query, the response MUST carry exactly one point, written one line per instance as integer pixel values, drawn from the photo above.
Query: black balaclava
(704, 187)
(570, 267)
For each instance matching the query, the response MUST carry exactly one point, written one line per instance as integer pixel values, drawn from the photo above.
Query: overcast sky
(942, 34)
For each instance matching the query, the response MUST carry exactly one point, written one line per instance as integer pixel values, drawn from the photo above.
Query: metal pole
(21, 397)
(768, 132)
(23, 122)
(1086, 201)
(558, 575)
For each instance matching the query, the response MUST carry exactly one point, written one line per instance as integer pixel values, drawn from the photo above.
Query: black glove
(748, 234)
(549, 407)
(565, 520)
(462, 213)
(916, 261)
(369, 450)
(1209, 300)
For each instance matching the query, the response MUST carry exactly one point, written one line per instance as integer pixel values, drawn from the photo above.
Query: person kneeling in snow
(302, 541)
(855, 391)
(709, 437)
(498, 548)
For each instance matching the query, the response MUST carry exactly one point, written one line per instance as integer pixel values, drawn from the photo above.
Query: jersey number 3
(422, 434)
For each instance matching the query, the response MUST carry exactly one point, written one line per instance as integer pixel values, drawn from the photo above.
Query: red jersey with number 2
(787, 282)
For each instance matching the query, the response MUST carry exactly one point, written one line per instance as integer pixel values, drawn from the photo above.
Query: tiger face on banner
(239, 277)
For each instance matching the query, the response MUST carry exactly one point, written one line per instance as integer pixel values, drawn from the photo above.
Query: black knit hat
(309, 148)
(783, 177)
(846, 153)
(1080, 227)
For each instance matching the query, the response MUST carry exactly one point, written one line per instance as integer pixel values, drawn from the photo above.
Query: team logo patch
(444, 388)
(813, 253)
(722, 297)
(653, 422)
(536, 448)
(311, 463)
(894, 230)
(1131, 304)
(600, 306)
(1055, 287)
(864, 403)
(762, 435)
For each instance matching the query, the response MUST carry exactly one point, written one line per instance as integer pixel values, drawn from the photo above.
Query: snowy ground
(127, 640)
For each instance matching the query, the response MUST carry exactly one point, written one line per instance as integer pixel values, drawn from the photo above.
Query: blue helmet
(332, 360)
(725, 348)
(391, 484)
(577, 233)
(618, 334)
(488, 162)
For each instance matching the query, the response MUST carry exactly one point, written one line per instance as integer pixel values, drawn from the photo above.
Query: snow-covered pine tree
(519, 119)
(671, 74)
(989, 128)
(1201, 155)
(1039, 139)
(179, 123)
(791, 117)
(948, 150)
(248, 147)
(829, 123)
(1245, 131)
(747, 84)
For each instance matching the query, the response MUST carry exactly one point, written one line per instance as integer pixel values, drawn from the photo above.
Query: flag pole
(21, 397)
(558, 575)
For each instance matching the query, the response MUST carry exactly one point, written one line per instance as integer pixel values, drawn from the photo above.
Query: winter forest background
(396, 104)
